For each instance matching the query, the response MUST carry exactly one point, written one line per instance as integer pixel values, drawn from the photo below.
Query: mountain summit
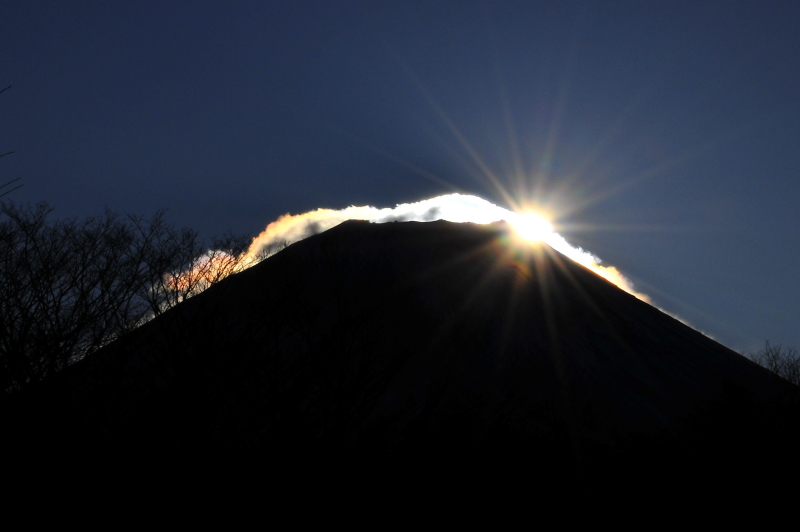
(407, 342)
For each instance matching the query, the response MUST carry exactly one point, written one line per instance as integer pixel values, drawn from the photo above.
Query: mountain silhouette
(408, 344)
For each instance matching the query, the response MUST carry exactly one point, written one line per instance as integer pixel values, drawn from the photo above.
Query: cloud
(590, 261)
(460, 208)
(452, 207)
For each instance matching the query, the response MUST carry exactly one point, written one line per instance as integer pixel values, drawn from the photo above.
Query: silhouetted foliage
(68, 287)
(785, 361)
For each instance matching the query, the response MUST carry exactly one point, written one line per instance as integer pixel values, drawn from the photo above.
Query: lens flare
(287, 229)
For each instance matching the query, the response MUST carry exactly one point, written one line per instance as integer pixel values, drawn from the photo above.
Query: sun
(531, 226)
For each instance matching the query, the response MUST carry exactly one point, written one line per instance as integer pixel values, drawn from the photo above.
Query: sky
(663, 137)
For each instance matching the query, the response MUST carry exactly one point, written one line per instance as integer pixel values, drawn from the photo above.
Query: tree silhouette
(785, 361)
(69, 287)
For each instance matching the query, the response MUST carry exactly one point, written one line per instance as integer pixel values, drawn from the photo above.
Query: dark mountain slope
(412, 342)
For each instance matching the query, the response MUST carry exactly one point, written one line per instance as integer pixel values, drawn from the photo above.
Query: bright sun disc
(531, 226)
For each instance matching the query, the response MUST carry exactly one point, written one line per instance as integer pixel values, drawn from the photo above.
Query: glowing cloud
(588, 260)
(452, 208)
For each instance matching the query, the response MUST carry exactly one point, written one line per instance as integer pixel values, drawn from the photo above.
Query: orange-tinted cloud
(452, 207)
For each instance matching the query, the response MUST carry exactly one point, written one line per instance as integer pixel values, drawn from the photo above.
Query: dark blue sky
(664, 136)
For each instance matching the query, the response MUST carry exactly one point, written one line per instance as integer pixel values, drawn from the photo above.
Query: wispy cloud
(452, 207)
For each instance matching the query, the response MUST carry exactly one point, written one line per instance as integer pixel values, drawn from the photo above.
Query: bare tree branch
(69, 287)
(784, 361)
